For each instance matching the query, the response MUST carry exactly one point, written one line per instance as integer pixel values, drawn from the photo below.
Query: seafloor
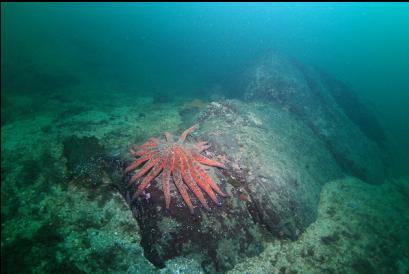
(53, 221)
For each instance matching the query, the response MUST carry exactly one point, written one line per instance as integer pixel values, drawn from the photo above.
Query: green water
(178, 47)
(59, 60)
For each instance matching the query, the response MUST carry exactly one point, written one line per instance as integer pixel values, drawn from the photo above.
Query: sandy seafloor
(51, 224)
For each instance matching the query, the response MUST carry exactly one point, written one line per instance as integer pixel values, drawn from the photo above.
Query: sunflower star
(179, 160)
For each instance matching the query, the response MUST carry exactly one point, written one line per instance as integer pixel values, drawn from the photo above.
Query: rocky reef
(294, 138)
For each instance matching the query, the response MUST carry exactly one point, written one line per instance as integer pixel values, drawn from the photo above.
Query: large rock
(331, 110)
(276, 159)
(276, 167)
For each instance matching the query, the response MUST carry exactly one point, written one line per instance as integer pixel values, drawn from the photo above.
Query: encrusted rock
(275, 158)
(328, 107)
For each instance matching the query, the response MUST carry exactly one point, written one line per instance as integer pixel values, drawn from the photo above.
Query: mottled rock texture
(328, 107)
(359, 229)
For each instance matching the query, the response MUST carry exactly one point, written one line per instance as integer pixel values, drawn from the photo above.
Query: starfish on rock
(179, 160)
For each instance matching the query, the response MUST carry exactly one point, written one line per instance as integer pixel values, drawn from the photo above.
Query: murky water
(307, 103)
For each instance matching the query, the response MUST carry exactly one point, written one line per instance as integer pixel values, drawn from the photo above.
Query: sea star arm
(182, 188)
(207, 179)
(195, 175)
(206, 161)
(151, 175)
(187, 132)
(153, 142)
(189, 181)
(139, 161)
(166, 179)
(145, 169)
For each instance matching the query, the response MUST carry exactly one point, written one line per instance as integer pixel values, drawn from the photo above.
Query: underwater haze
(305, 108)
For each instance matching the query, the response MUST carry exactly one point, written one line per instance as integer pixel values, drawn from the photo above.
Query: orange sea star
(181, 161)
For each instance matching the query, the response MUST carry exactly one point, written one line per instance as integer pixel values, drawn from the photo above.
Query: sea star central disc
(177, 160)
